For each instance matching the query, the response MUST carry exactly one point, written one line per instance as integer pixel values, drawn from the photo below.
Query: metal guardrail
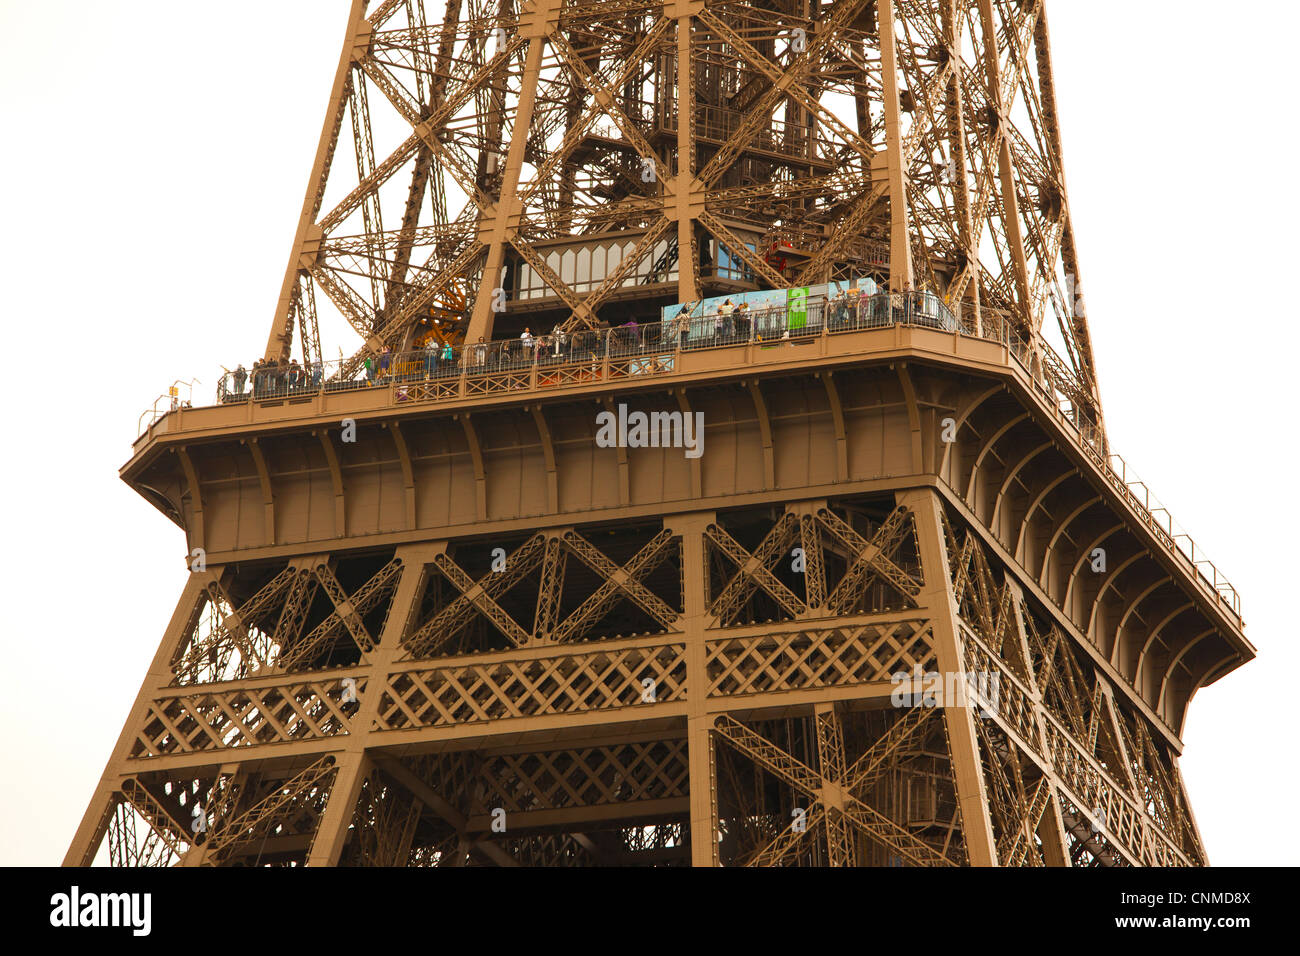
(557, 359)
(1155, 516)
(178, 395)
(557, 349)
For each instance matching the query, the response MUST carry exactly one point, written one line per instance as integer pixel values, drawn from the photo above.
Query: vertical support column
(937, 598)
(498, 224)
(840, 838)
(1006, 164)
(277, 343)
(332, 831)
(94, 822)
(684, 186)
(198, 855)
(1069, 255)
(952, 23)
(1051, 829)
(900, 248)
(354, 763)
(700, 744)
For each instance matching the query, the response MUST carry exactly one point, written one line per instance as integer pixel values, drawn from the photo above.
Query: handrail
(558, 358)
(171, 400)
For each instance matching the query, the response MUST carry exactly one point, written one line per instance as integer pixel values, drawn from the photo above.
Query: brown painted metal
(439, 624)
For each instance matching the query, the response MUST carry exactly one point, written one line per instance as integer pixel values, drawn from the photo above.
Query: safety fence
(559, 359)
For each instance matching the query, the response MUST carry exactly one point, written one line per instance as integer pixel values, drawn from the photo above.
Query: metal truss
(914, 138)
(515, 716)
(1058, 727)
(844, 572)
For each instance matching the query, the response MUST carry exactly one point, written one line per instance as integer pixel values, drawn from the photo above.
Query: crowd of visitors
(732, 322)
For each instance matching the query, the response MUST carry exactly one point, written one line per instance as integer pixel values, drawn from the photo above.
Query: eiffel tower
(712, 472)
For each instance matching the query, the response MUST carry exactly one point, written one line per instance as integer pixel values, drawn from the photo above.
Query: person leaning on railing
(431, 358)
(742, 319)
(838, 307)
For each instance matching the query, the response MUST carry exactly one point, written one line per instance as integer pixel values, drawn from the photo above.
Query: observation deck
(893, 393)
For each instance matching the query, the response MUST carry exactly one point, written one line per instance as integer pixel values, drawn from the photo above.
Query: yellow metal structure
(894, 601)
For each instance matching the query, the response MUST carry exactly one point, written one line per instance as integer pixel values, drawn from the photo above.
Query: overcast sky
(153, 159)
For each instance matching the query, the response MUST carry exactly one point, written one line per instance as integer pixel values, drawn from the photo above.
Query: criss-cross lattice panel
(1017, 793)
(832, 798)
(475, 599)
(531, 598)
(226, 643)
(265, 633)
(283, 808)
(991, 685)
(818, 657)
(1158, 786)
(134, 841)
(753, 572)
(385, 822)
(571, 683)
(586, 777)
(882, 571)
(146, 830)
(243, 717)
(345, 622)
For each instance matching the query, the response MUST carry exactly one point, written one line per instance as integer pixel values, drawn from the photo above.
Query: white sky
(153, 159)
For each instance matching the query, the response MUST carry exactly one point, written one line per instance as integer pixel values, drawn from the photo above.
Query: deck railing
(558, 359)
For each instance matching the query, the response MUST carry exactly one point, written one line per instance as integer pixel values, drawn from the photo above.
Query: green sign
(797, 308)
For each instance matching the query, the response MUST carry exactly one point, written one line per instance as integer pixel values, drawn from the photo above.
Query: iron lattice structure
(436, 622)
(918, 137)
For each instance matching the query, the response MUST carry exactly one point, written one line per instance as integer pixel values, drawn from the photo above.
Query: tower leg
(337, 818)
(354, 764)
(937, 597)
(704, 792)
(94, 824)
(700, 744)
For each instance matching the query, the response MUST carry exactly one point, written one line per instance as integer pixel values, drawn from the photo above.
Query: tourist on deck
(836, 310)
(739, 318)
(558, 339)
(296, 379)
(430, 358)
(897, 307)
(724, 314)
(385, 363)
(681, 325)
(874, 302)
(370, 369)
(852, 310)
(317, 373)
(448, 357)
(480, 352)
(240, 376)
